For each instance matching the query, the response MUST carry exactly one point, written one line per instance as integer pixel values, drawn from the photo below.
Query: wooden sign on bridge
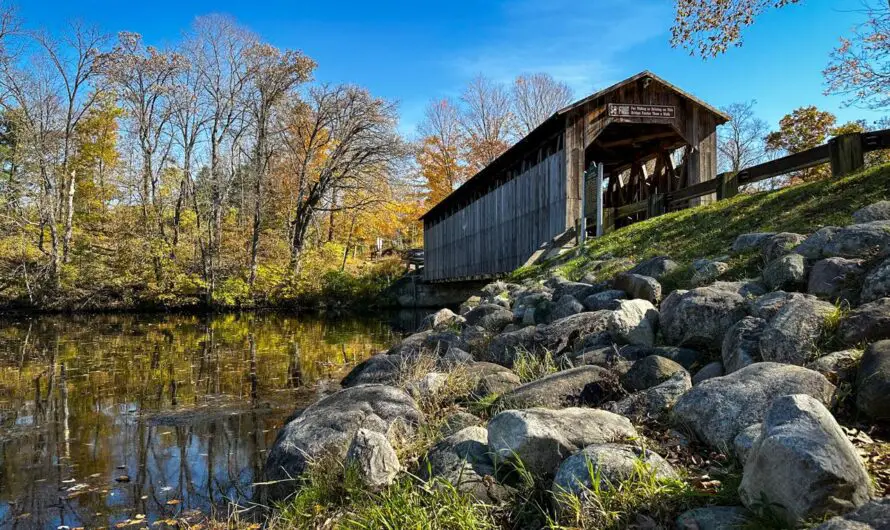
(632, 110)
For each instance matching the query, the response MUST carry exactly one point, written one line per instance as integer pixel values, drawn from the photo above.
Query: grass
(529, 366)
(709, 230)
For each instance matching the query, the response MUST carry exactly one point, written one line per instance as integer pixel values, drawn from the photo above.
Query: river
(137, 420)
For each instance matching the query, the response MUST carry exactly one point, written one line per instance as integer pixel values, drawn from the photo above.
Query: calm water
(130, 420)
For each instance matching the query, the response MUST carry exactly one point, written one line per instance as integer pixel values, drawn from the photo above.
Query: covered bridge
(651, 138)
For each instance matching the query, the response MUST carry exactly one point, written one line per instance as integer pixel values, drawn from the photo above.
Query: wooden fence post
(656, 205)
(846, 154)
(727, 185)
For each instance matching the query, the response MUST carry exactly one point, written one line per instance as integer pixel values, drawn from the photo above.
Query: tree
(272, 74)
(859, 68)
(740, 142)
(536, 97)
(341, 136)
(439, 151)
(487, 121)
(709, 27)
(804, 128)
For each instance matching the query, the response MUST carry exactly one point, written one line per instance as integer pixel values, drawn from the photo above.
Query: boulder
(457, 422)
(430, 341)
(873, 381)
(442, 320)
(611, 357)
(577, 290)
(608, 299)
(744, 442)
(769, 305)
(839, 367)
(780, 244)
(469, 304)
(490, 317)
(788, 272)
(741, 345)
(455, 357)
(533, 308)
(497, 383)
(700, 317)
(877, 282)
(719, 409)
(744, 288)
(563, 334)
(792, 335)
(429, 386)
(873, 515)
(503, 349)
(566, 306)
(328, 427)
(638, 286)
(708, 371)
(542, 438)
(707, 271)
(655, 402)
(374, 458)
(750, 242)
(867, 323)
(803, 464)
(584, 385)
(685, 357)
(476, 340)
(380, 369)
(853, 241)
(611, 464)
(633, 322)
(879, 211)
(463, 460)
(716, 518)
(648, 372)
(836, 279)
(655, 267)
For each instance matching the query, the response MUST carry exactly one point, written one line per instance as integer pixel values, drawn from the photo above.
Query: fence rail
(845, 153)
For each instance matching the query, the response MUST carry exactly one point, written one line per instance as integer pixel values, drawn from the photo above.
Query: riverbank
(718, 367)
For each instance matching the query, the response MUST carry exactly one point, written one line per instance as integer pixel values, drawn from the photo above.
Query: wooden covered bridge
(648, 139)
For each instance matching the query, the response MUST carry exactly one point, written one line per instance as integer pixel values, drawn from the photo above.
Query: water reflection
(119, 420)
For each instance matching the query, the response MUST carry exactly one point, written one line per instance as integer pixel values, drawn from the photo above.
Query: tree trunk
(69, 217)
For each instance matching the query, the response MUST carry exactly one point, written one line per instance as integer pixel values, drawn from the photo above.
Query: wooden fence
(845, 153)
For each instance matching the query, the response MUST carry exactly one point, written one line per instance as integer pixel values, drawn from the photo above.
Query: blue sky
(415, 51)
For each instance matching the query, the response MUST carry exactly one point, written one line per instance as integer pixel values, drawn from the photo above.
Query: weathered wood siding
(501, 229)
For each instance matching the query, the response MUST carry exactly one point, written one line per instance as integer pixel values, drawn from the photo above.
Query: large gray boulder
(611, 463)
(792, 335)
(380, 369)
(718, 409)
(802, 464)
(873, 515)
(837, 279)
(648, 372)
(566, 306)
(562, 334)
(577, 290)
(493, 381)
(877, 282)
(873, 381)
(328, 427)
(463, 460)
(504, 348)
(839, 367)
(655, 267)
(708, 371)
(853, 241)
(533, 308)
(584, 385)
(867, 323)
(700, 317)
(787, 273)
(490, 317)
(608, 299)
(442, 320)
(716, 518)
(638, 286)
(707, 271)
(542, 438)
(653, 403)
(430, 341)
(749, 242)
(744, 441)
(633, 322)
(374, 458)
(741, 344)
(769, 305)
(780, 244)
(476, 340)
(879, 211)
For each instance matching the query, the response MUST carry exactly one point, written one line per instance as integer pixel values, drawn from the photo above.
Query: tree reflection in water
(106, 419)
